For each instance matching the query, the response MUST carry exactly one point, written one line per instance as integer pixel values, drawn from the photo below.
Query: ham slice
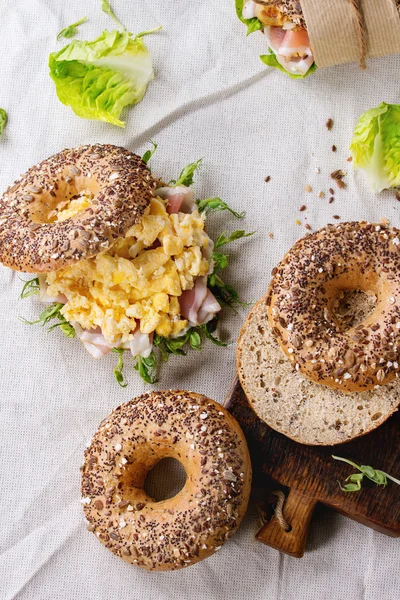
(180, 198)
(198, 305)
(292, 49)
(96, 351)
(93, 341)
(191, 300)
(208, 309)
(141, 344)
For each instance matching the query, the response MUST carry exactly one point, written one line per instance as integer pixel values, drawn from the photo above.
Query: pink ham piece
(198, 305)
(208, 309)
(180, 198)
(292, 49)
(191, 300)
(141, 344)
(96, 351)
(94, 342)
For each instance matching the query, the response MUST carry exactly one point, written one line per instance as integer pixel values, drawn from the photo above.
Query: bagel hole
(165, 480)
(63, 205)
(352, 307)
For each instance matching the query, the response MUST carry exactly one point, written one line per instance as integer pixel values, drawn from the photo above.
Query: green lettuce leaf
(253, 24)
(98, 79)
(375, 146)
(271, 61)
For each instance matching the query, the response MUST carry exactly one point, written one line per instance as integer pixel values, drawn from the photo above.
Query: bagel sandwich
(122, 259)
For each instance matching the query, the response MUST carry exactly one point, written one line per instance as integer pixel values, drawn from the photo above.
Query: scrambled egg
(139, 280)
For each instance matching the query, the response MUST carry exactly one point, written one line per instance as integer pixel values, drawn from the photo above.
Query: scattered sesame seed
(308, 188)
(329, 124)
(302, 207)
(334, 148)
(268, 178)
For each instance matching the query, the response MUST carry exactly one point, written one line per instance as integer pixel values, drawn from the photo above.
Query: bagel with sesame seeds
(179, 531)
(304, 288)
(35, 236)
(333, 303)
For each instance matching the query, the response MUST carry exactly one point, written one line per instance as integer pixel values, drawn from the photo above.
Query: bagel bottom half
(307, 412)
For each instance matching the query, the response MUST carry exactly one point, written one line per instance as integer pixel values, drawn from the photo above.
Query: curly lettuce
(375, 146)
(98, 79)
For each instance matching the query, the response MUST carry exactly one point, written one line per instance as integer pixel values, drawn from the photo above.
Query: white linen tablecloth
(211, 97)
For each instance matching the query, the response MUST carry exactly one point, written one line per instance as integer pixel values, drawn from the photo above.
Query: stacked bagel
(319, 355)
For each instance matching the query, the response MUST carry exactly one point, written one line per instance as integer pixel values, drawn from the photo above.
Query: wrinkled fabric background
(212, 97)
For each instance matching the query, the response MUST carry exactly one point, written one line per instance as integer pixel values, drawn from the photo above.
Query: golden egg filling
(139, 280)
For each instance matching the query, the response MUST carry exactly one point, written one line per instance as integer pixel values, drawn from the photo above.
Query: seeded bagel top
(32, 240)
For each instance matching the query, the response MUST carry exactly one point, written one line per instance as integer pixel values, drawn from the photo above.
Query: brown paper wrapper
(337, 34)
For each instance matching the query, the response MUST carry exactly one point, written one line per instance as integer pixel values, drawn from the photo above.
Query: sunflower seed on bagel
(32, 240)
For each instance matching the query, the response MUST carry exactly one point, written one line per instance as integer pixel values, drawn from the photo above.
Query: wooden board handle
(297, 510)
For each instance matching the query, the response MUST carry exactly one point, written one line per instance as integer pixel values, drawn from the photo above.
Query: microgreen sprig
(186, 176)
(194, 338)
(216, 205)
(71, 30)
(50, 313)
(119, 368)
(235, 235)
(31, 288)
(149, 153)
(375, 475)
(146, 368)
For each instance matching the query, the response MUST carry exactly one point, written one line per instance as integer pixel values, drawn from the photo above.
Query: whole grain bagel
(303, 292)
(183, 530)
(32, 239)
(304, 411)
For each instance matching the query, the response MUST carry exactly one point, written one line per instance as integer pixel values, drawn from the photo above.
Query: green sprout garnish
(149, 153)
(375, 475)
(118, 370)
(235, 235)
(146, 368)
(50, 313)
(71, 30)
(186, 175)
(193, 338)
(31, 288)
(216, 205)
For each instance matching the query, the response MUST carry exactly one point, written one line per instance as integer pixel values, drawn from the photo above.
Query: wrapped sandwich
(304, 34)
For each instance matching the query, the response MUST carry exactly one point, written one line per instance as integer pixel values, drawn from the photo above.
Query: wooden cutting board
(311, 475)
